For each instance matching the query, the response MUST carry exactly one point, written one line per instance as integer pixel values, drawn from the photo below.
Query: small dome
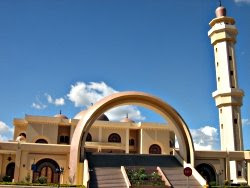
(80, 114)
(61, 116)
(221, 11)
(127, 120)
(103, 117)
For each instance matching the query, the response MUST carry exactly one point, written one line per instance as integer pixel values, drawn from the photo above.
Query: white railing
(124, 174)
(163, 177)
(86, 173)
(196, 175)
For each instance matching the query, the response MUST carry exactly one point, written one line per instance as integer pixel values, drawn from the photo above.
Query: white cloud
(116, 114)
(6, 132)
(205, 138)
(242, 1)
(38, 106)
(58, 101)
(245, 122)
(83, 95)
(49, 98)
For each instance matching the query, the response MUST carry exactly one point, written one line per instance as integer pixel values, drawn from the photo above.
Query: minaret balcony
(225, 19)
(222, 32)
(228, 97)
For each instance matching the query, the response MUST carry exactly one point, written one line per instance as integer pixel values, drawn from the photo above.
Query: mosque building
(82, 149)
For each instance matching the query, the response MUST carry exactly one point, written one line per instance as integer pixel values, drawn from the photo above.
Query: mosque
(89, 149)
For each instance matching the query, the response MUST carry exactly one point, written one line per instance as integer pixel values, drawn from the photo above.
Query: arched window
(114, 137)
(10, 169)
(47, 168)
(22, 134)
(154, 149)
(131, 142)
(42, 141)
(207, 172)
(89, 138)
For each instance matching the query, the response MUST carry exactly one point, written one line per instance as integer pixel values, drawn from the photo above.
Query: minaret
(228, 96)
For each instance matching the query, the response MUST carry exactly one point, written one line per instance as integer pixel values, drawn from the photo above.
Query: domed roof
(103, 117)
(221, 11)
(60, 115)
(126, 119)
(80, 114)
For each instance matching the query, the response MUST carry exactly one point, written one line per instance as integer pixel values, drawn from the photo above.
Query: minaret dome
(221, 11)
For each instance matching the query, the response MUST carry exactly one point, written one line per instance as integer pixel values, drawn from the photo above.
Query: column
(227, 169)
(17, 165)
(248, 172)
(127, 141)
(100, 134)
(1, 161)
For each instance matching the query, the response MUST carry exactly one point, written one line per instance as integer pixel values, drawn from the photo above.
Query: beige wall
(44, 131)
(154, 136)
(94, 131)
(106, 132)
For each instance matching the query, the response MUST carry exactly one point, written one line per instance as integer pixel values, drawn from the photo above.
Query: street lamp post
(60, 171)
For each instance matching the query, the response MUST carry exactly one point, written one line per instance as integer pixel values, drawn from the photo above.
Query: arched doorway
(154, 149)
(175, 121)
(207, 172)
(114, 137)
(10, 169)
(42, 141)
(47, 168)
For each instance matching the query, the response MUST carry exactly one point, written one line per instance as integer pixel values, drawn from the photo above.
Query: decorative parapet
(104, 145)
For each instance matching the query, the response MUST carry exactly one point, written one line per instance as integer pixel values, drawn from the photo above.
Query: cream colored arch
(130, 98)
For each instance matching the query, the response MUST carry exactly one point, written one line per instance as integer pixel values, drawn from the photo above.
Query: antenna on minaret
(220, 2)
(127, 115)
(60, 112)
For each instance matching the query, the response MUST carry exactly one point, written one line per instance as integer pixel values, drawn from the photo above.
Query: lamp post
(33, 169)
(60, 171)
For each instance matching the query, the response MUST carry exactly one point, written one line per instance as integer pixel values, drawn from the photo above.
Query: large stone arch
(130, 98)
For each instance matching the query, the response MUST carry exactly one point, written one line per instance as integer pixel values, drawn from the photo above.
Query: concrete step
(178, 179)
(107, 185)
(106, 177)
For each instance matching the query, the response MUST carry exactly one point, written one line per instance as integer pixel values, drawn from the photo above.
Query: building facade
(45, 142)
(43, 145)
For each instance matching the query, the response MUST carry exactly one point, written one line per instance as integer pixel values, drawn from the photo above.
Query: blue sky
(52, 52)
